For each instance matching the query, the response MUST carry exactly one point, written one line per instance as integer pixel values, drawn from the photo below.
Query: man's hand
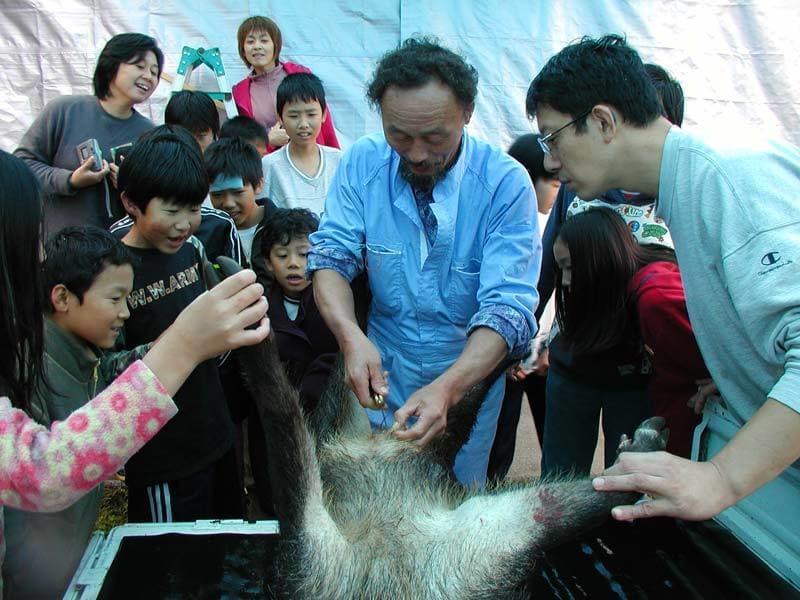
(767, 444)
(677, 487)
(483, 352)
(363, 370)
(429, 405)
(83, 176)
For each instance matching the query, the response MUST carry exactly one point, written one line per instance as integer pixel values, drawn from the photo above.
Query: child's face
(259, 49)
(164, 226)
(204, 138)
(564, 262)
(239, 203)
(259, 145)
(546, 192)
(104, 309)
(288, 265)
(302, 121)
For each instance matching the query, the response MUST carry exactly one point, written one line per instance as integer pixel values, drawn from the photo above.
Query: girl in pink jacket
(45, 469)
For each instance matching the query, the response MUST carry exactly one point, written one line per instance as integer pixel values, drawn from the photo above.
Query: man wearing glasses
(614, 383)
(734, 217)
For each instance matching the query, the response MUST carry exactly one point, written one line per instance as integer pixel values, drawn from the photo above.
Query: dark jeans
(573, 414)
(505, 439)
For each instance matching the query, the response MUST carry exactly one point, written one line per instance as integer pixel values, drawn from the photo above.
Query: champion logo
(774, 261)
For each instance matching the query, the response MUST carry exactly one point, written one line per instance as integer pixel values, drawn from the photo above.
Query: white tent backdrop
(737, 61)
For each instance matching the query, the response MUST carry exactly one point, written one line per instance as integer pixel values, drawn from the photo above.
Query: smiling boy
(88, 276)
(233, 166)
(299, 174)
(175, 477)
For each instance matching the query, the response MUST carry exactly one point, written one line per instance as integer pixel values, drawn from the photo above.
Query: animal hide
(364, 515)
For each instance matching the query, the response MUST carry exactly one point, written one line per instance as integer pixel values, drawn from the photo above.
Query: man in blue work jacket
(446, 227)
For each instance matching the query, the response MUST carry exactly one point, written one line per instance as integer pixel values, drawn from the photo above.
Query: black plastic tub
(649, 559)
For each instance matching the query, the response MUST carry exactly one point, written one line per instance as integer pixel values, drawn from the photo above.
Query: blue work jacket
(480, 271)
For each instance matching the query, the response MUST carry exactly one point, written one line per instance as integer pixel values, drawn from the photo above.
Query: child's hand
(705, 389)
(278, 135)
(113, 173)
(517, 372)
(223, 314)
(215, 322)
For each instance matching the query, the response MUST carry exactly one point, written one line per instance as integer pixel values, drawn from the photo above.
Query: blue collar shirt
(479, 270)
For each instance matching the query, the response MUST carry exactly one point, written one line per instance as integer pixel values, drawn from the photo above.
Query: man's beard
(421, 183)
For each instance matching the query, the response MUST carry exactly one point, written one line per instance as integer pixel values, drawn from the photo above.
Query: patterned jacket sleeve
(114, 362)
(46, 470)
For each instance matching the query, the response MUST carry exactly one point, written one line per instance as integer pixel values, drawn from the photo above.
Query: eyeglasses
(543, 141)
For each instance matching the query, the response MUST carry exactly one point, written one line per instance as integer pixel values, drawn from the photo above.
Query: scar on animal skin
(551, 510)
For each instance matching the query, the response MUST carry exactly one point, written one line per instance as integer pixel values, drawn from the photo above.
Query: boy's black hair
(244, 127)
(195, 111)
(305, 87)
(596, 71)
(420, 60)
(126, 48)
(527, 151)
(233, 157)
(166, 163)
(75, 256)
(285, 224)
(670, 92)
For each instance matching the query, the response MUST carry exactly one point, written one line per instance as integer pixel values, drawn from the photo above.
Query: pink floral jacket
(46, 470)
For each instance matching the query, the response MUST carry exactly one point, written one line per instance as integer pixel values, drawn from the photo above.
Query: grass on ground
(113, 506)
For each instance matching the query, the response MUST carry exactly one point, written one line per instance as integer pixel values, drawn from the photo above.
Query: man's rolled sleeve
(508, 323)
(330, 258)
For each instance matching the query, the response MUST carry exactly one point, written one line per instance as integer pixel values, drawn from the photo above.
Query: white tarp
(736, 60)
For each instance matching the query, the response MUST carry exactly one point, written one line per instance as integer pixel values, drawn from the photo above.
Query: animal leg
(461, 419)
(498, 534)
(294, 471)
(338, 410)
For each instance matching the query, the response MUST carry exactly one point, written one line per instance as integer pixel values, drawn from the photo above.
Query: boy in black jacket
(306, 346)
(187, 471)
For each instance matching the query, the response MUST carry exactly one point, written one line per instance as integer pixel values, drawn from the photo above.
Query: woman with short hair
(57, 146)
(260, 42)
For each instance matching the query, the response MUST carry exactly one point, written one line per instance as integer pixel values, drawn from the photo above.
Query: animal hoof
(650, 436)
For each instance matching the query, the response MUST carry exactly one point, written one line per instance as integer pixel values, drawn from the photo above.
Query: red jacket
(241, 95)
(665, 330)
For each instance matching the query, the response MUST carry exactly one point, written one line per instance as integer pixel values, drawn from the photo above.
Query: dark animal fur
(364, 515)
